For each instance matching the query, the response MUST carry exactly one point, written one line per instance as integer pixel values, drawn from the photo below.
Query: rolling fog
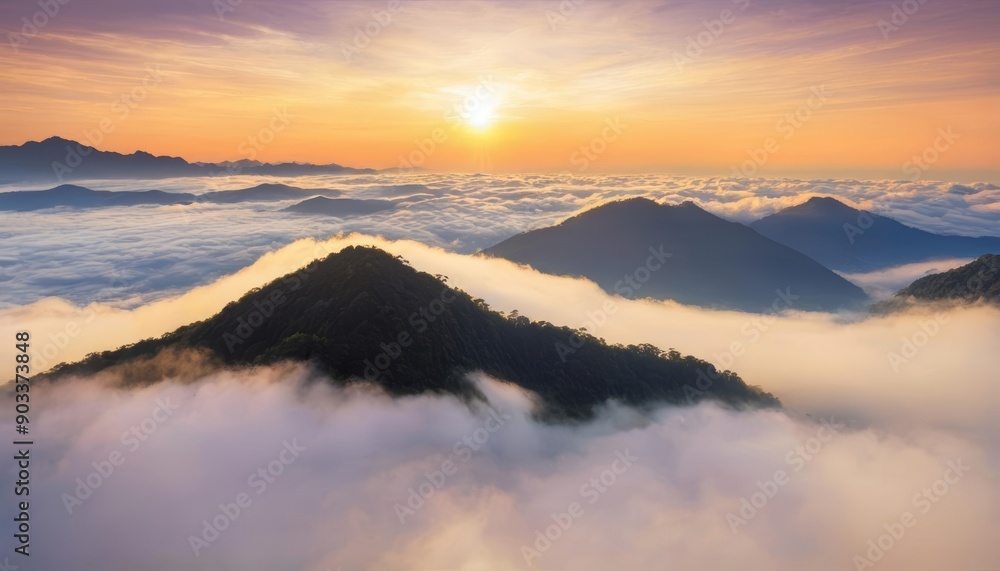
(861, 445)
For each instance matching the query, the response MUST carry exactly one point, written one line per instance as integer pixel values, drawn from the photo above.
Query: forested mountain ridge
(364, 315)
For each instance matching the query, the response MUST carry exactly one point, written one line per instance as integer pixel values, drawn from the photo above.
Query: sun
(482, 117)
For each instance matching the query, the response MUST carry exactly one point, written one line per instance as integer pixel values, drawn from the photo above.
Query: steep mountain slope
(971, 283)
(682, 253)
(362, 314)
(850, 240)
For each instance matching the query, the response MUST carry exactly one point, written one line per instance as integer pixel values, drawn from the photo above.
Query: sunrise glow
(362, 83)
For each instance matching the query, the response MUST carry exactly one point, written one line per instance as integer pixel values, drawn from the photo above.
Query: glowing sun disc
(482, 117)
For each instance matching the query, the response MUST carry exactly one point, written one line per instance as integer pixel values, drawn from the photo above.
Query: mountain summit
(362, 314)
(851, 240)
(697, 258)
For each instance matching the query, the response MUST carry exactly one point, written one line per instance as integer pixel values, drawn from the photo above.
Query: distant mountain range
(340, 207)
(362, 315)
(846, 239)
(73, 196)
(638, 248)
(971, 283)
(264, 193)
(56, 160)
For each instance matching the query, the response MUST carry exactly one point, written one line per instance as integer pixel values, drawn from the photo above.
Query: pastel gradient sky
(551, 77)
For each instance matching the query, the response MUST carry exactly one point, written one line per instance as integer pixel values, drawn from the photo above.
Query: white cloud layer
(665, 487)
(885, 355)
(127, 255)
(914, 391)
(883, 284)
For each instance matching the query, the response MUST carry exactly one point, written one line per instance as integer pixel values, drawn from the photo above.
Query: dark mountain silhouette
(74, 196)
(266, 192)
(850, 240)
(340, 207)
(712, 262)
(55, 160)
(80, 197)
(363, 315)
(971, 283)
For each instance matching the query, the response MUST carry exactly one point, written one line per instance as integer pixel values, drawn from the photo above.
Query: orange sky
(516, 86)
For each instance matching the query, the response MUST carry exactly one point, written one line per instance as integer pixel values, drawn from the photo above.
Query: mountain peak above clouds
(708, 261)
(266, 192)
(363, 315)
(341, 207)
(70, 189)
(846, 239)
(825, 205)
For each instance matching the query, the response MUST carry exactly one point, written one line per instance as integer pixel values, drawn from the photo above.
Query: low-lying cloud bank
(806, 359)
(900, 448)
(265, 470)
(130, 256)
(883, 284)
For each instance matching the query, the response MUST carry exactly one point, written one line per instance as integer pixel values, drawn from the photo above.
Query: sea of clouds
(885, 455)
(356, 480)
(127, 255)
